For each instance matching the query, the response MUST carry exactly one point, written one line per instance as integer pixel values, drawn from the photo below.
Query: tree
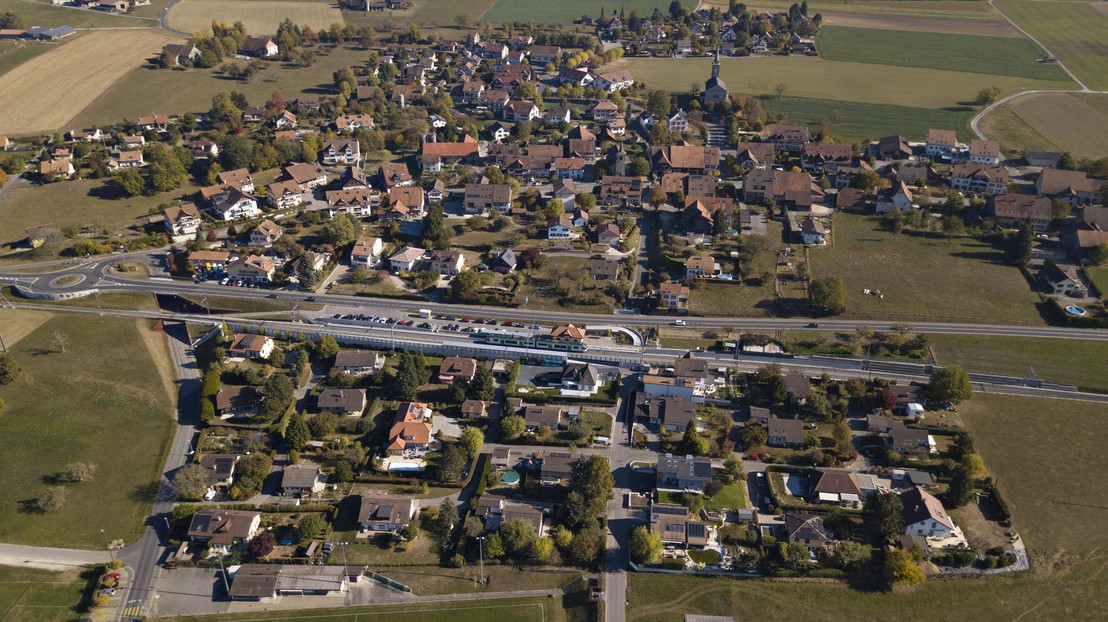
(79, 472)
(1020, 245)
(326, 347)
(262, 545)
(466, 285)
(646, 547)
(341, 230)
(297, 433)
(586, 546)
(410, 531)
(793, 554)
(973, 465)
(482, 387)
(541, 550)
(1098, 255)
(639, 167)
(592, 476)
(310, 526)
(753, 435)
(844, 439)
(949, 384)
(960, 490)
(780, 89)
(51, 499)
(712, 488)
(278, 397)
(472, 440)
(512, 426)
(901, 569)
(987, 96)
(845, 552)
(130, 182)
(827, 294)
(448, 515)
(494, 545)
(323, 425)
(883, 516)
(518, 534)
(190, 482)
(691, 443)
(410, 375)
(451, 463)
(658, 105)
(9, 369)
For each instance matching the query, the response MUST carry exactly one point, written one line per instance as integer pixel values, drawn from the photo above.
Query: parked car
(751, 457)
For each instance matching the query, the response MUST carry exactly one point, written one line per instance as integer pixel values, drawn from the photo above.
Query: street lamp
(345, 570)
(481, 553)
(168, 529)
(223, 571)
(108, 543)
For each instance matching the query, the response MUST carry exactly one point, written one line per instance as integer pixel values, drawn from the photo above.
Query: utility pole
(481, 553)
(204, 301)
(108, 543)
(223, 571)
(345, 570)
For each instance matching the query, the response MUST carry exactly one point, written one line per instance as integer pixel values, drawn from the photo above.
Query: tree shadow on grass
(145, 493)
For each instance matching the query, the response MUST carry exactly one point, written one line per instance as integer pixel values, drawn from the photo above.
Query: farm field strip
(969, 24)
(523, 610)
(260, 18)
(1066, 121)
(854, 121)
(79, 72)
(1073, 31)
(833, 80)
(952, 10)
(985, 55)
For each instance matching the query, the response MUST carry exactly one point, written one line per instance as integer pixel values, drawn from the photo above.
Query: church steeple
(715, 65)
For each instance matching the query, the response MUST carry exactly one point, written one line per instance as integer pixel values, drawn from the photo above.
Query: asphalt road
(144, 555)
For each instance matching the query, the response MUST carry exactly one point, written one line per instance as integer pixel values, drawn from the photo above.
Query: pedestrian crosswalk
(133, 609)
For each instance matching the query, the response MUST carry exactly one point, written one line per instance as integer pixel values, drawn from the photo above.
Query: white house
(560, 228)
(366, 251)
(406, 258)
(924, 515)
(615, 81)
(896, 198)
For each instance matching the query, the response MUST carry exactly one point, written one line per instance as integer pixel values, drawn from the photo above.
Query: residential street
(48, 558)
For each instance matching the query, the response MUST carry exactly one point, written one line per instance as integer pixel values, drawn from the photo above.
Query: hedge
(778, 496)
(1066, 319)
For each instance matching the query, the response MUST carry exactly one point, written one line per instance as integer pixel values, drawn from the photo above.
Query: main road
(98, 275)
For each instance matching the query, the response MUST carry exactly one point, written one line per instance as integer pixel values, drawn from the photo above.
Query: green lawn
(954, 10)
(101, 401)
(42, 13)
(988, 55)
(707, 557)
(733, 496)
(855, 121)
(176, 92)
(1073, 31)
(521, 609)
(1077, 362)
(40, 595)
(568, 10)
(922, 277)
(818, 78)
(1099, 277)
(78, 203)
(428, 13)
(720, 299)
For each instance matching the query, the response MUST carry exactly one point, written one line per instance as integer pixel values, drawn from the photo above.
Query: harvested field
(18, 323)
(1063, 121)
(818, 78)
(42, 13)
(14, 54)
(260, 18)
(1073, 31)
(79, 72)
(923, 24)
(954, 52)
(855, 121)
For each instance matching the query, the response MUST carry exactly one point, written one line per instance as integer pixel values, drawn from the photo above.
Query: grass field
(42, 13)
(1073, 31)
(1053, 121)
(515, 609)
(717, 299)
(858, 120)
(942, 9)
(1076, 362)
(102, 401)
(818, 78)
(1099, 277)
(79, 72)
(18, 323)
(566, 11)
(922, 277)
(954, 52)
(40, 595)
(1052, 481)
(175, 92)
(76, 203)
(430, 13)
(13, 54)
(261, 17)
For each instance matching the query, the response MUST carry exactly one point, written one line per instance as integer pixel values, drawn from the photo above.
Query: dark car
(812, 325)
(310, 299)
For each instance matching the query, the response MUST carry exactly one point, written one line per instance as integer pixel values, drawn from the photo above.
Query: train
(526, 340)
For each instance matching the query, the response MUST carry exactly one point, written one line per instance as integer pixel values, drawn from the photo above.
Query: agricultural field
(1075, 362)
(817, 78)
(77, 202)
(427, 13)
(1073, 31)
(260, 17)
(933, 278)
(14, 54)
(40, 595)
(1099, 277)
(1050, 480)
(952, 10)
(515, 609)
(725, 299)
(80, 71)
(1052, 122)
(855, 121)
(175, 92)
(113, 384)
(988, 55)
(566, 11)
(42, 13)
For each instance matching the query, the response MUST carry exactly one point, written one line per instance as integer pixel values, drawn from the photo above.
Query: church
(715, 90)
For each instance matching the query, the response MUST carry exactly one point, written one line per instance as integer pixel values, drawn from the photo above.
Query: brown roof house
(359, 362)
(785, 432)
(384, 513)
(219, 468)
(342, 401)
(910, 441)
(924, 515)
(457, 368)
(237, 401)
(837, 486)
(473, 409)
(251, 346)
(224, 530)
(536, 416)
(300, 479)
(807, 529)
